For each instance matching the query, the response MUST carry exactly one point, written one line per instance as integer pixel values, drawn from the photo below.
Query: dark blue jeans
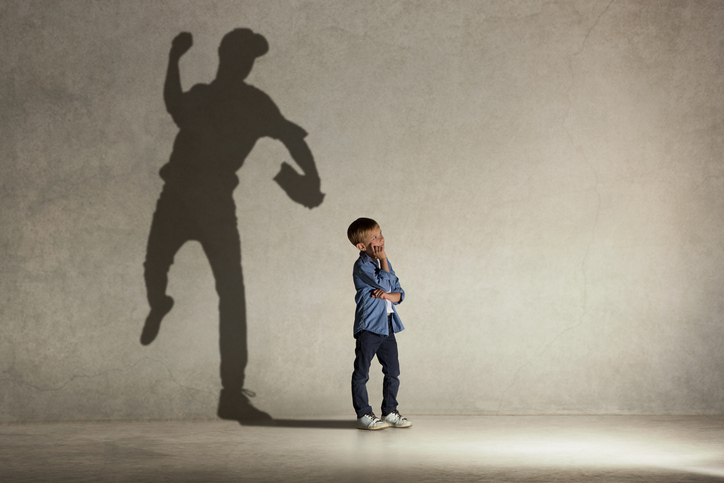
(385, 348)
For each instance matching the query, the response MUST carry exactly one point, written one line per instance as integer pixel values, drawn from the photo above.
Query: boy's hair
(359, 228)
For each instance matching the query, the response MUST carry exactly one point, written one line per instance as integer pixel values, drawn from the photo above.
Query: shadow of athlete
(219, 123)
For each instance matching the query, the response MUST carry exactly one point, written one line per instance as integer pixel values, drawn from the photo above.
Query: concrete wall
(548, 175)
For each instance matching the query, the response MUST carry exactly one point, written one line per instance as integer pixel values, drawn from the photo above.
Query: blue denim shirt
(371, 312)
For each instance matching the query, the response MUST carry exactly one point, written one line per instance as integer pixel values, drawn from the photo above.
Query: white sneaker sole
(403, 425)
(373, 428)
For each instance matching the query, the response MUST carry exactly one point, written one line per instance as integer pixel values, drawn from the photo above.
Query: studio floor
(436, 449)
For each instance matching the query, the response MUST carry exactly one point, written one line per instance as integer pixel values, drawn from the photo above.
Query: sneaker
(370, 421)
(396, 420)
(237, 407)
(153, 321)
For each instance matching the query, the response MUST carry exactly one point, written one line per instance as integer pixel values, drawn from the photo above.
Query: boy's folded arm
(396, 287)
(401, 293)
(394, 297)
(388, 280)
(365, 282)
(369, 284)
(376, 278)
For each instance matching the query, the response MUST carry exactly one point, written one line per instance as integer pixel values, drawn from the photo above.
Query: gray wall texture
(548, 175)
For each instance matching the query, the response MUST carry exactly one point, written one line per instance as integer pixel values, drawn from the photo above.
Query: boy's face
(372, 238)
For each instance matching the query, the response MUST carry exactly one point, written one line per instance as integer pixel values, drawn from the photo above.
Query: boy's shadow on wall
(219, 123)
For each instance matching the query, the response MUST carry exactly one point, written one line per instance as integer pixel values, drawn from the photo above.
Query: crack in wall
(587, 253)
(573, 56)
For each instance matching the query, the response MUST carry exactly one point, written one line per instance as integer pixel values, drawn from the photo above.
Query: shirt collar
(367, 257)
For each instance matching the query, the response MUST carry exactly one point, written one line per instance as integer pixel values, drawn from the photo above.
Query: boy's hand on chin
(379, 252)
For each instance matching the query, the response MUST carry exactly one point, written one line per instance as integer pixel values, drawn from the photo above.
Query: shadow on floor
(308, 423)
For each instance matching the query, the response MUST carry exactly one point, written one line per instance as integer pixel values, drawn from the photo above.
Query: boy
(375, 325)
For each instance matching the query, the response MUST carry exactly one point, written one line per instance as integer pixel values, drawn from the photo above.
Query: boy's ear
(360, 247)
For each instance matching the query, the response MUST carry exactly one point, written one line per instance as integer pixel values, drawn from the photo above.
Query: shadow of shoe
(153, 321)
(314, 423)
(237, 407)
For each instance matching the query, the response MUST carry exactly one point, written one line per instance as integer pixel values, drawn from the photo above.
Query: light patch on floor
(437, 448)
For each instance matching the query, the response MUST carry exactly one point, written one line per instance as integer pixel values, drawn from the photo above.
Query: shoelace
(398, 418)
(374, 418)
